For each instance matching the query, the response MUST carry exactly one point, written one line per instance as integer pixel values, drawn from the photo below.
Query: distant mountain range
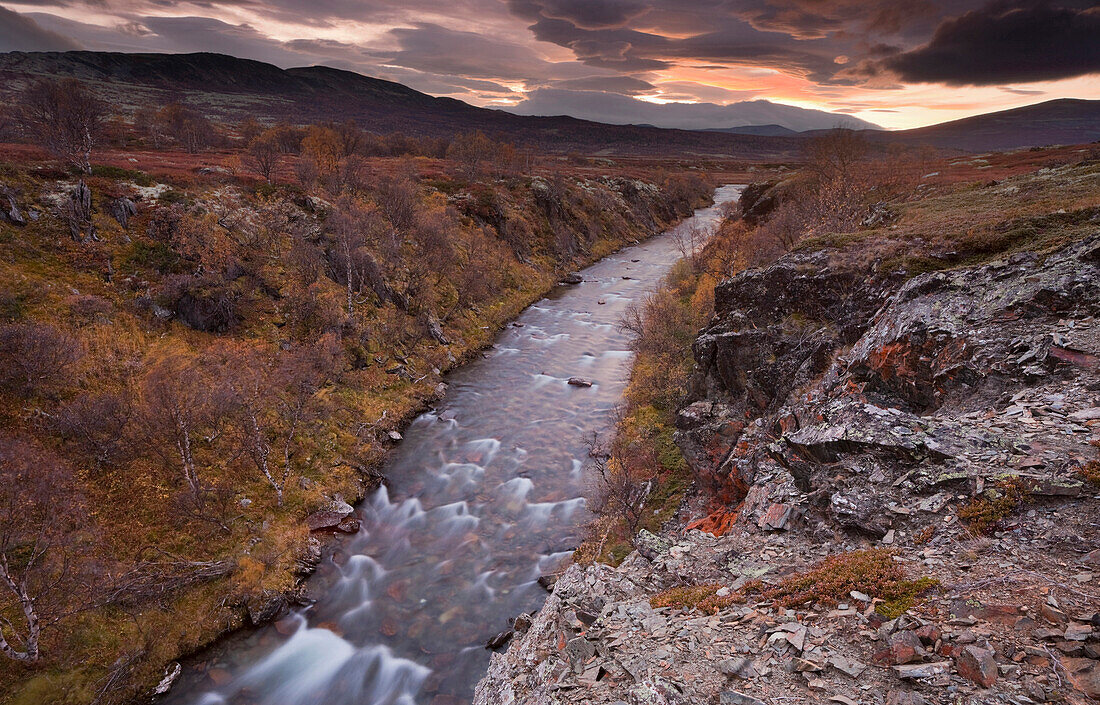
(230, 89)
(617, 109)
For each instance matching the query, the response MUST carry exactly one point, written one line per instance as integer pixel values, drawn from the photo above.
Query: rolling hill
(1062, 121)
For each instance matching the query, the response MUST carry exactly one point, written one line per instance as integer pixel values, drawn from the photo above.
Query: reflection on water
(485, 495)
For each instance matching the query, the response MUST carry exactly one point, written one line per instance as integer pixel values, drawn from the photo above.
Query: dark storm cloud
(803, 37)
(1007, 42)
(21, 33)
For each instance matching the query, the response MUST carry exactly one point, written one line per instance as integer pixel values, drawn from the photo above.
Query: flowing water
(484, 495)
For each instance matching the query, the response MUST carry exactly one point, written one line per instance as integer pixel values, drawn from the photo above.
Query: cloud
(1007, 43)
(589, 14)
(21, 33)
(435, 49)
(626, 85)
(798, 37)
(624, 110)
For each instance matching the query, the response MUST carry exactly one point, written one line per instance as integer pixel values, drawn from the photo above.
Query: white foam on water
(462, 474)
(311, 657)
(542, 379)
(487, 447)
(361, 567)
(516, 488)
(552, 561)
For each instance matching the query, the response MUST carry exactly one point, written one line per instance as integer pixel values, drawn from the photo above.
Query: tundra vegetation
(209, 331)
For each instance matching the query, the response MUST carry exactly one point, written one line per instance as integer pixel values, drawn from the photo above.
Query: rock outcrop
(839, 405)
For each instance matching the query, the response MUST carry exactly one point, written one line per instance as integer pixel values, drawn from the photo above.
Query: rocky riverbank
(934, 433)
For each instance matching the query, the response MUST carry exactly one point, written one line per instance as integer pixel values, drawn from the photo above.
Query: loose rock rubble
(838, 407)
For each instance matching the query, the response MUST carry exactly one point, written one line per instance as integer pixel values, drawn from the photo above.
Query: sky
(677, 63)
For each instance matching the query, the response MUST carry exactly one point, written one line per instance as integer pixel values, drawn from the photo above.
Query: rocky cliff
(931, 433)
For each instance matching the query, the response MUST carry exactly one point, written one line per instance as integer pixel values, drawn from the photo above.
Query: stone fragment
(846, 665)
(905, 647)
(776, 518)
(904, 697)
(329, 516)
(499, 640)
(737, 667)
(922, 670)
(1084, 674)
(1052, 614)
(732, 697)
(929, 634)
(977, 666)
(1078, 632)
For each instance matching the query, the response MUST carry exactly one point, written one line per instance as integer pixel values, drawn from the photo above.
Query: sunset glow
(928, 62)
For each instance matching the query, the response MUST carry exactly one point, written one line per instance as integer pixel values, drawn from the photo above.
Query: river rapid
(484, 494)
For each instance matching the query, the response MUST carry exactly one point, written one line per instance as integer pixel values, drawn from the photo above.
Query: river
(484, 494)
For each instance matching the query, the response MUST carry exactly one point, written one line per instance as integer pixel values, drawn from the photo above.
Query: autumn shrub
(36, 358)
(702, 598)
(872, 571)
(1090, 472)
(985, 512)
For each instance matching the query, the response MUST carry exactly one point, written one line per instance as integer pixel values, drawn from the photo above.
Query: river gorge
(483, 496)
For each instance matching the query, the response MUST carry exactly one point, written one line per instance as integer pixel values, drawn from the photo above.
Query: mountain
(1062, 121)
(764, 130)
(230, 89)
(624, 110)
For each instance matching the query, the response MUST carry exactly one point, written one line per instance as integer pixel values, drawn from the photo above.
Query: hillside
(199, 367)
(761, 130)
(229, 89)
(1063, 121)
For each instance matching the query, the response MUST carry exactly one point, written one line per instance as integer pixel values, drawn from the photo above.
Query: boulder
(330, 516)
(122, 209)
(977, 665)
(580, 382)
(12, 213)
